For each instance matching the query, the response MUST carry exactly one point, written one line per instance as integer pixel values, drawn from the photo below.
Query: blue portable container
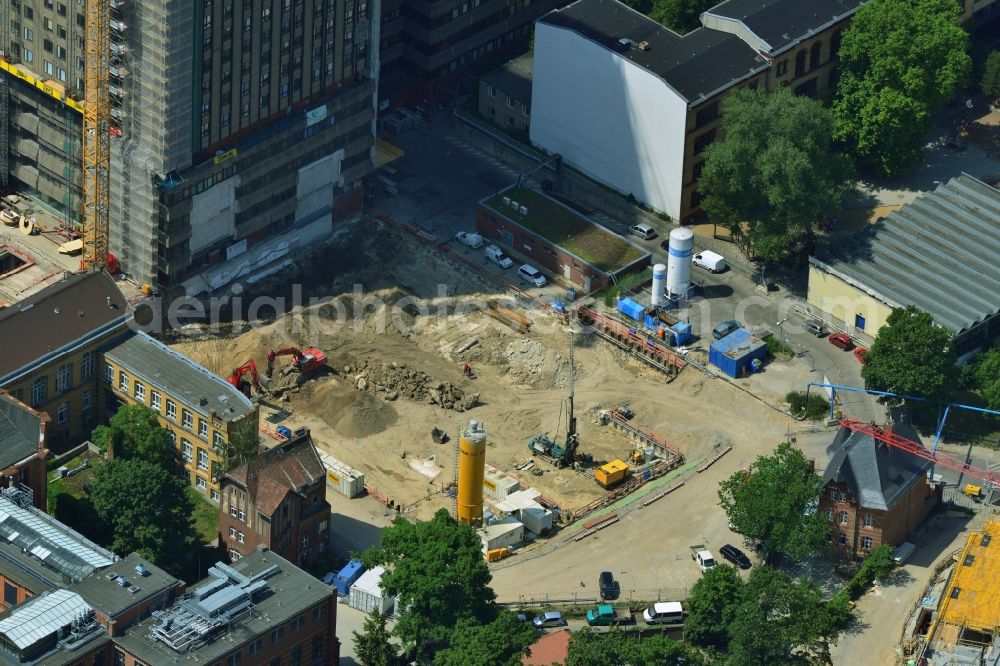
(631, 309)
(348, 576)
(682, 333)
(734, 353)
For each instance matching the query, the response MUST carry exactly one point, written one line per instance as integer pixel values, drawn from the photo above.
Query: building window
(9, 594)
(48, 68)
(317, 646)
(842, 539)
(88, 400)
(123, 381)
(490, 91)
(234, 555)
(240, 537)
(62, 414)
(201, 483)
(232, 509)
(28, 55)
(869, 520)
(154, 400)
(215, 495)
(256, 646)
(829, 514)
(172, 437)
(140, 391)
(318, 612)
(109, 374)
(235, 658)
(242, 516)
(217, 441)
(171, 410)
(64, 377)
(29, 34)
(782, 68)
(305, 542)
(38, 391)
(203, 428)
(703, 141)
(86, 366)
(202, 459)
(707, 115)
(843, 517)
(186, 419)
(525, 109)
(866, 543)
(297, 655)
(232, 532)
(322, 527)
(186, 450)
(277, 635)
(843, 496)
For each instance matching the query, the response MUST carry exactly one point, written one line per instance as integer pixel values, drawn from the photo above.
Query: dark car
(725, 328)
(735, 555)
(608, 585)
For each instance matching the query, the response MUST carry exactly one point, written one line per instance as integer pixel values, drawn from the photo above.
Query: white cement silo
(679, 261)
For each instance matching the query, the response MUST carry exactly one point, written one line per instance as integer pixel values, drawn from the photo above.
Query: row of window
(866, 541)
(868, 519)
(277, 635)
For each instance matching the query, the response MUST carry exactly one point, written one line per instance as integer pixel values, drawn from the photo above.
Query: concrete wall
(840, 303)
(609, 118)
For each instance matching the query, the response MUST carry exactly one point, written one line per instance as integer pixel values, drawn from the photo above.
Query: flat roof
(976, 577)
(20, 428)
(738, 344)
(48, 323)
(781, 23)
(106, 593)
(513, 78)
(697, 65)
(563, 226)
(939, 253)
(288, 592)
(159, 366)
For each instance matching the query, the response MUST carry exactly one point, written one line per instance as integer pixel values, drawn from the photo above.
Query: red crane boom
(916, 448)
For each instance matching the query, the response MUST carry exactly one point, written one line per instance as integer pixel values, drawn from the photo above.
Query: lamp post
(781, 331)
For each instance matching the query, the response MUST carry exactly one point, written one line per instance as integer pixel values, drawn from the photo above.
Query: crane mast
(96, 133)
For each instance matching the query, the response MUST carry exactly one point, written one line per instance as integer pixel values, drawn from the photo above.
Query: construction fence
(638, 597)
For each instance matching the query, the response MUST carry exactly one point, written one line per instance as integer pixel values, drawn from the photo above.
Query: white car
(472, 239)
(531, 275)
(664, 612)
(496, 255)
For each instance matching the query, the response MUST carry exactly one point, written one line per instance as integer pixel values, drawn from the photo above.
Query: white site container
(345, 480)
(497, 485)
(506, 533)
(367, 595)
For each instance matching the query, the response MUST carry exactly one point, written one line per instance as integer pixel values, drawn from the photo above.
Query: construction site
(424, 350)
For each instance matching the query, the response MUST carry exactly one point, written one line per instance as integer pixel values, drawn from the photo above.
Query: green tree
(147, 508)
(617, 647)
(663, 651)
(987, 374)
(243, 444)
(912, 356)
(900, 60)
(371, 644)
(774, 173)
(438, 571)
(681, 16)
(711, 607)
(990, 83)
(775, 504)
(135, 433)
(502, 642)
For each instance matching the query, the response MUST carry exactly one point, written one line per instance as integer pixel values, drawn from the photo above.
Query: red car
(842, 340)
(861, 353)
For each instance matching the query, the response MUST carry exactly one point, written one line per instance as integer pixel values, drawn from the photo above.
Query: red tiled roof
(270, 476)
(548, 650)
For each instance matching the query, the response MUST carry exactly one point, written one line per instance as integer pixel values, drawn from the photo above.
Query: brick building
(874, 493)
(22, 448)
(277, 500)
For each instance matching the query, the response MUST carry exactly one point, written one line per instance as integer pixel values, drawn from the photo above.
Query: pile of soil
(395, 380)
(350, 413)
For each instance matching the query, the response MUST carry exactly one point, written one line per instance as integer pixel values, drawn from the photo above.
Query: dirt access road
(415, 307)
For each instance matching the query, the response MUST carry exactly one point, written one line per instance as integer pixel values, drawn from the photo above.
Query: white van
(643, 231)
(710, 261)
(531, 275)
(496, 255)
(470, 238)
(664, 612)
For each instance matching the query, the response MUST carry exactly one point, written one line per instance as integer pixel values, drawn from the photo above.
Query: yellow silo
(471, 469)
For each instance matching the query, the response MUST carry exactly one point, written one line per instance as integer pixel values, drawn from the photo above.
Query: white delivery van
(496, 255)
(531, 275)
(469, 238)
(710, 261)
(664, 612)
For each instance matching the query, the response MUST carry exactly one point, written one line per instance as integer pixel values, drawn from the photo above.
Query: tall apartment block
(426, 47)
(241, 129)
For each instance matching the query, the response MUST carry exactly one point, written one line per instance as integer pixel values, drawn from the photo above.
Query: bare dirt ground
(421, 308)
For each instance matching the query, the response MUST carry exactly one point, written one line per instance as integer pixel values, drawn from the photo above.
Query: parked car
(735, 555)
(664, 612)
(710, 261)
(725, 328)
(814, 328)
(606, 615)
(842, 340)
(497, 256)
(861, 353)
(531, 275)
(608, 585)
(549, 619)
(472, 239)
(643, 231)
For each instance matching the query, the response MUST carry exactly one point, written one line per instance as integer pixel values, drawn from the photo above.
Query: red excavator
(245, 379)
(303, 362)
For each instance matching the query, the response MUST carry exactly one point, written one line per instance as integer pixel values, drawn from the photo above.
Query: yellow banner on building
(53, 92)
(229, 154)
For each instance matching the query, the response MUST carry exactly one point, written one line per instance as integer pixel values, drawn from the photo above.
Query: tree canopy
(774, 173)
(135, 433)
(437, 569)
(709, 610)
(900, 60)
(501, 642)
(775, 505)
(147, 508)
(990, 83)
(987, 374)
(681, 16)
(616, 647)
(371, 644)
(912, 356)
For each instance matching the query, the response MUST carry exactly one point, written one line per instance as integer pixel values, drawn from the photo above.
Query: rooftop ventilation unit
(524, 210)
(643, 46)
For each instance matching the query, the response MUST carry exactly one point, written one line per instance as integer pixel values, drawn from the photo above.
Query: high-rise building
(241, 129)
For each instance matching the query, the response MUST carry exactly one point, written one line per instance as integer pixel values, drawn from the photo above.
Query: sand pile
(395, 380)
(350, 413)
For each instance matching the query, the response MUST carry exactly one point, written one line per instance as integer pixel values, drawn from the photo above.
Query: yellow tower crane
(96, 133)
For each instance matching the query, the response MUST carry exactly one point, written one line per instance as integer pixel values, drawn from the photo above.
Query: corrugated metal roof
(737, 344)
(42, 616)
(940, 253)
(173, 373)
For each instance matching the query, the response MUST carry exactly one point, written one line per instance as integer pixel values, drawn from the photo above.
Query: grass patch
(626, 283)
(815, 407)
(206, 516)
(776, 348)
(568, 230)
